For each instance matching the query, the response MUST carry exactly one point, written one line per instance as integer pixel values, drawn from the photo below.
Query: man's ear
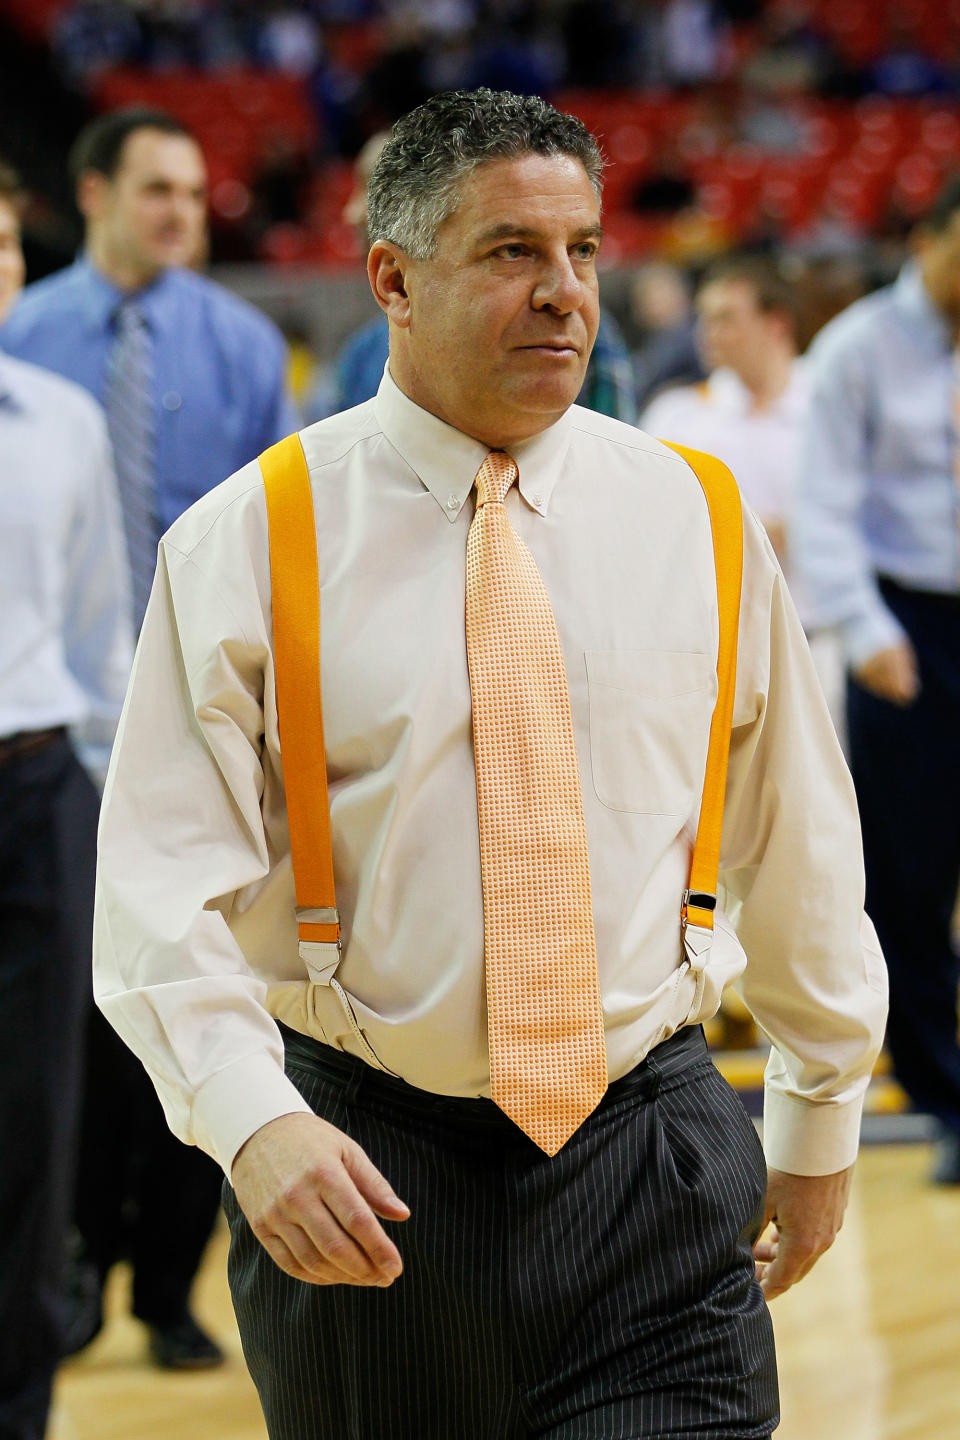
(92, 189)
(387, 267)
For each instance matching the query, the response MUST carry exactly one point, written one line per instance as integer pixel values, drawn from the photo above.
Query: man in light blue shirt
(876, 547)
(192, 382)
(65, 652)
(217, 365)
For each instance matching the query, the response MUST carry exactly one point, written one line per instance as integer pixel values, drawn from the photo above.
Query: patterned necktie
(548, 1066)
(129, 403)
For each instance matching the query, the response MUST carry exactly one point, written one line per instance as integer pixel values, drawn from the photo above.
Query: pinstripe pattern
(128, 400)
(604, 1294)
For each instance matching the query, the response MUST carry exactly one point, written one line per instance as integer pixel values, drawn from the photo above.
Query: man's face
(732, 330)
(12, 269)
(152, 213)
(939, 255)
(495, 330)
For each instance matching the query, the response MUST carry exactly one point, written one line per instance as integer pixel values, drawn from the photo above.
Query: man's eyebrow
(527, 232)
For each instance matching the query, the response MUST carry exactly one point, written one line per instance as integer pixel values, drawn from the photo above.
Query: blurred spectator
(12, 268)
(791, 56)
(693, 42)
(905, 67)
(192, 382)
(93, 35)
(875, 543)
(661, 314)
(358, 367)
(290, 38)
(65, 650)
(751, 409)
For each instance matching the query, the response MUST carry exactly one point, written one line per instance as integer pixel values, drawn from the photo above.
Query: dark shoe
(183, 1346)
(946, 1160)
(82, 1304)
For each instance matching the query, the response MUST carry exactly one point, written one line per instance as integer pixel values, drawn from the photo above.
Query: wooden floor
(869, 1343)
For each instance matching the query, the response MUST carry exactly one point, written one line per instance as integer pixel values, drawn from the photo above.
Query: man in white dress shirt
(65, 649)
(751, 409)
(608, 1289)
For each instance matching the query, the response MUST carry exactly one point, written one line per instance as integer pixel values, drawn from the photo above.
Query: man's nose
(559, 287)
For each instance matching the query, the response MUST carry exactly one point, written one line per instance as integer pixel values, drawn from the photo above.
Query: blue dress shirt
(66, 639)
(219, 368)
(878, 493)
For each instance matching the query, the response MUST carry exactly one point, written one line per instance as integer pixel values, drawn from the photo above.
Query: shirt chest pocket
(650, 713)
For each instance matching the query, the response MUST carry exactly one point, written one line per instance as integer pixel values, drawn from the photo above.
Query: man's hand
(807, 1212)
(891, 674)
(311, 1196)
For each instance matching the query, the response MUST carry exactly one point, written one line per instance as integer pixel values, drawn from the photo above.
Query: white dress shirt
(760, 445)
(65, 628)
(196, 942)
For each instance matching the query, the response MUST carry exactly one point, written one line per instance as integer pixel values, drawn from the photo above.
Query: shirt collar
(446, 461)
(99, 299)
(913, 301)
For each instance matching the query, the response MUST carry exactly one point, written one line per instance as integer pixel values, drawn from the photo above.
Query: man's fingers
(281, 1255)
(316, 1239)
(791, 1260)
(372, 1185)
(358, 1223)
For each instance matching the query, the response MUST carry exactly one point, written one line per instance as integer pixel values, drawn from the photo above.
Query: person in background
(751, 412)
(661, 316)
(12, 268)
(191, 379)
(608, 386)
(751, 408)
(65, 650)
(875, 544)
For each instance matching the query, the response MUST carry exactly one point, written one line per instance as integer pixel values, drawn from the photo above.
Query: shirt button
(453, 502)
(172, 400)
(536, 499)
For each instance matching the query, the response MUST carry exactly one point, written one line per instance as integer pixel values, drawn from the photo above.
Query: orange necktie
(548, 1066)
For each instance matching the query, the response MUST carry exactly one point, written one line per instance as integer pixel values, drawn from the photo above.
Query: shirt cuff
(805, 1137)
(238, 1101)
(868, 634)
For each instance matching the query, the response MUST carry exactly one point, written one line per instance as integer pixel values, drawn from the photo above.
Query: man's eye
(512, 252)
(586, 251)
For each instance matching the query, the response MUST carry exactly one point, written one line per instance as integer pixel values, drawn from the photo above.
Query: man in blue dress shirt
(65, 650)
(876, 546)
(192, 381)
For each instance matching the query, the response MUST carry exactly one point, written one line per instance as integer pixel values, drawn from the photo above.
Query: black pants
(48, 833)
(141, 1194)
(607, 1292)
(906, 767)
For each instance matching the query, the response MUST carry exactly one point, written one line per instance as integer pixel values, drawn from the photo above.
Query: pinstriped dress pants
(607, 1292)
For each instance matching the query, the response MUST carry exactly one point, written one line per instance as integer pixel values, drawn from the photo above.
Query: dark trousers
(141, 1194)
(607, 1292)
(906, 767)
(48, 832)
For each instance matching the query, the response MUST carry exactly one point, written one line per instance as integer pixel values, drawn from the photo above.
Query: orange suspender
(296, 657)
(296, 648)
(726, 522)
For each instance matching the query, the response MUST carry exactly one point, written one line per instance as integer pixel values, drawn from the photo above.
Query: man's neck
(768, 382)
(121, 273)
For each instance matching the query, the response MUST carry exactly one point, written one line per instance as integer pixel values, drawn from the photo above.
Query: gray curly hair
(416, 182)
